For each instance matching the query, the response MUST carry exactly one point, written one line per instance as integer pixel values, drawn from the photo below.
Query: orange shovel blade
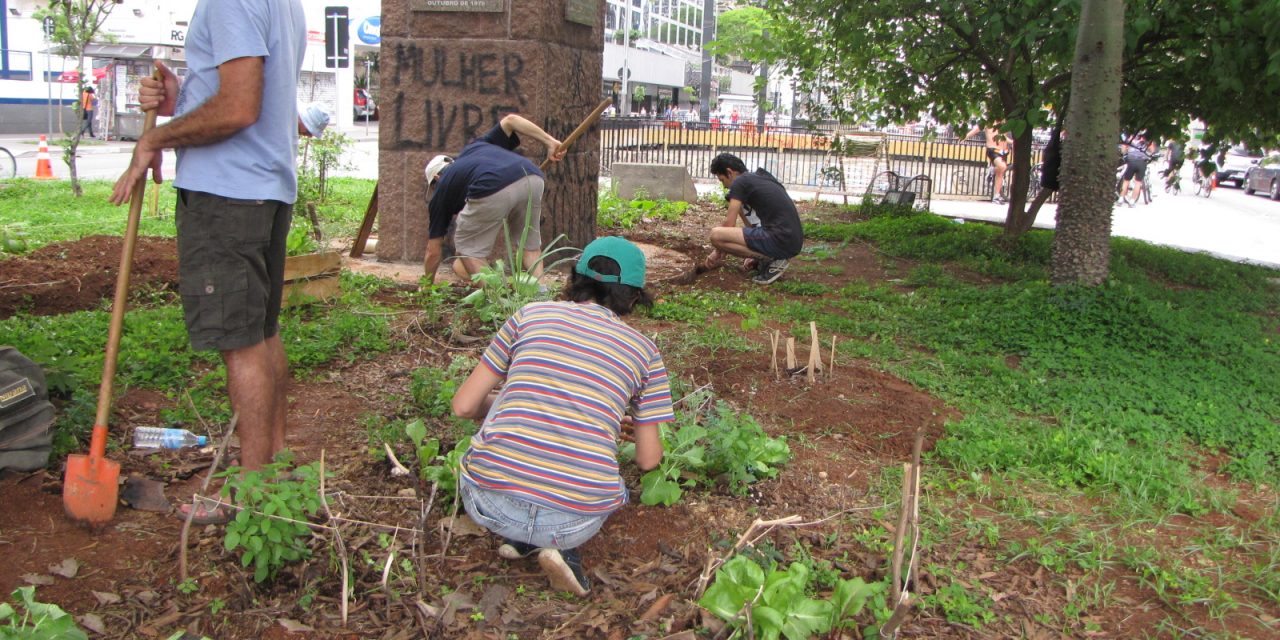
(91, 488)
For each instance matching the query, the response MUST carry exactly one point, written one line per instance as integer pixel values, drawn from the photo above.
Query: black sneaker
(771, 272)
(564, 569)
(512, 550)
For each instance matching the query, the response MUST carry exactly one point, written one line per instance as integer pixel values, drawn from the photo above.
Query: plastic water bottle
(161, 438)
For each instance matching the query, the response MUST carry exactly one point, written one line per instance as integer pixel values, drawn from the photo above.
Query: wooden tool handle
(97, 446)
(577, 133)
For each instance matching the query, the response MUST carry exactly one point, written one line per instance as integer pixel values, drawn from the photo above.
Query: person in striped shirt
(542, 471)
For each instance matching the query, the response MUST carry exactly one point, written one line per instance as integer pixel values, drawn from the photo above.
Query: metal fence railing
(800, 158)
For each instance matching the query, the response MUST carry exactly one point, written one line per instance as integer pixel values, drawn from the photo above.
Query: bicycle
(8, 164)
(1204, 183)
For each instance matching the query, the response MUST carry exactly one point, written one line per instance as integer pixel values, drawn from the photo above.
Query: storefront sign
(369, 31)
(458, 5)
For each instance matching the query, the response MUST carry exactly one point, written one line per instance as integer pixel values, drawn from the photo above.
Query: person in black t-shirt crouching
(771, 232)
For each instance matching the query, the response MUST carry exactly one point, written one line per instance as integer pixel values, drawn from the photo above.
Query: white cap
(313, 118)
(435, 166)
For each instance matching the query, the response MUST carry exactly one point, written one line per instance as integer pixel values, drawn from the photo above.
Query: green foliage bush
(432, 388)
(269, 530)
(615, 213)
(720, 446)
(37, 620)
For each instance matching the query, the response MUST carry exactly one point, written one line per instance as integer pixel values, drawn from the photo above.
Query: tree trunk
(1016, 221)
(1082, 243)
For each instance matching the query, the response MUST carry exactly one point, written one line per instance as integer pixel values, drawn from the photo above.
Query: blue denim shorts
(762, 242)
(524, 521)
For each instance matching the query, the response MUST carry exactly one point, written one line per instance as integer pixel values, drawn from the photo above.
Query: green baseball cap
(628, 256)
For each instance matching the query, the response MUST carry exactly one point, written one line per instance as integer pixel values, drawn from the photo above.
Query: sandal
(207, 512)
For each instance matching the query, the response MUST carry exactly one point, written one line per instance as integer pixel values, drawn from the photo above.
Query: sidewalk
(26, 145)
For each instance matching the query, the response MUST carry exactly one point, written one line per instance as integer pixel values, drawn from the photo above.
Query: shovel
(91, 487)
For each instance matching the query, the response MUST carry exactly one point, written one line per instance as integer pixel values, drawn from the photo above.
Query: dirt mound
(79, 275)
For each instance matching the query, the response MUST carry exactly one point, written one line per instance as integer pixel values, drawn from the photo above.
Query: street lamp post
(626, 71)
(368, 66)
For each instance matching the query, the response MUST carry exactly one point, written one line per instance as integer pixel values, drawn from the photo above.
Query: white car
(1236, 164)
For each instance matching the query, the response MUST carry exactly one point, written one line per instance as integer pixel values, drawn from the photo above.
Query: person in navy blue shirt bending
(487, 184)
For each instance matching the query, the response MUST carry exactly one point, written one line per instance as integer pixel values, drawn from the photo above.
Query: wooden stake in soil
(775, 337)
(791, 354)
(815, 353)
(831, 367)
(909, 519)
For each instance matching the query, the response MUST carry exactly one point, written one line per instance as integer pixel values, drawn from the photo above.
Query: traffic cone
(44, 169)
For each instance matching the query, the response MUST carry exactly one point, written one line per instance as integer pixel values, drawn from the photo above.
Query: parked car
(363, 106)
(1264, 177)
(1237, 162)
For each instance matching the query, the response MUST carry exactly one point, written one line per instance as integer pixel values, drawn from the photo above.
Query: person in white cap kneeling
(487, 183)
(312, 120)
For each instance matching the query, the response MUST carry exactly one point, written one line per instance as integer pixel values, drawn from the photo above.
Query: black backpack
(26, 416)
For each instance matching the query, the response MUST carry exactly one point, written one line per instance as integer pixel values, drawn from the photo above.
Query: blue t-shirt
(257, 163)
(486, 166)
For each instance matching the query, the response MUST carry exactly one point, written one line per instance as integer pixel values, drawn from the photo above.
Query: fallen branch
(204, 486)
(397, 469)
(338, 543)
(763, 526)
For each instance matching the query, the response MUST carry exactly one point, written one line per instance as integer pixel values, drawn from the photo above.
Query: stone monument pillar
(450, 69)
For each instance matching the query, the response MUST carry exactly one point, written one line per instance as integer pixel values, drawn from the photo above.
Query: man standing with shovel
(236, 134)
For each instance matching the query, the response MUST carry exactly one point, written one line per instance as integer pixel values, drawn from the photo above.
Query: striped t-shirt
(572, 371)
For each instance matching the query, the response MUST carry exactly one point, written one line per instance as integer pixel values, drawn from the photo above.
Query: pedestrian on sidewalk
(89, 106)
(542, 471)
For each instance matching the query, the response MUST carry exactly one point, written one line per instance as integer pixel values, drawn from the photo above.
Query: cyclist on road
(1135, 161)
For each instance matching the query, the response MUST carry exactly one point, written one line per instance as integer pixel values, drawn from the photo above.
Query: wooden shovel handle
(577, 133)
(98, 443)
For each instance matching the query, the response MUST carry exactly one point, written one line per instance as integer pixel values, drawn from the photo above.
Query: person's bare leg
(280, 371)
(730, 240)
(466, 267)
(1001, 168)
(251, 383)
(532, 263)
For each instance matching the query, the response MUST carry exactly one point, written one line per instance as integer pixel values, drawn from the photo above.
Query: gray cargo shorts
(230, 268)
(480, 222)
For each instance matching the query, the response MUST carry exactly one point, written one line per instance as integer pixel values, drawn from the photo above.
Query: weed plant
(269, 531)
(34, 620)
(615, 213)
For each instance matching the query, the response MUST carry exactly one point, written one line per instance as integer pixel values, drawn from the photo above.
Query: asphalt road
(1228, 224)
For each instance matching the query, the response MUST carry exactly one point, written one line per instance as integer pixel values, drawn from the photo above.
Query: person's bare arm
(522, 126)
(474, 397)
(648, 446)
(435, 253)
(235, 107)
(734, 213)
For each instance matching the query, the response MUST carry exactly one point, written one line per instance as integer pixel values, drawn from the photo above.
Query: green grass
(46, 212)
(155, 354)
(1113, 389)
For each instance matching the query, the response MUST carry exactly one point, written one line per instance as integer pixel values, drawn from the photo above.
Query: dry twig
(204, 486)
(337, 543)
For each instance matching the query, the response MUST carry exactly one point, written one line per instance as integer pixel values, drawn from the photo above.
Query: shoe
(512, 550)
(770, 272)
(207, 512)
(1125, 201)
(564, 569)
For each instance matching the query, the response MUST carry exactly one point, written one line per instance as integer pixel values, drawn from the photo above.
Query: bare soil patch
(844, 431)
